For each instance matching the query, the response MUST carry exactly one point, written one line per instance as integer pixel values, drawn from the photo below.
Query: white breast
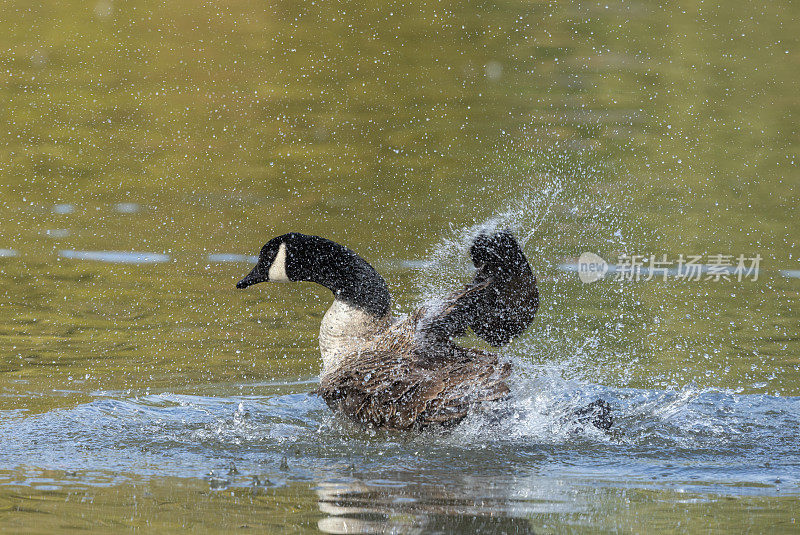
(343, 329)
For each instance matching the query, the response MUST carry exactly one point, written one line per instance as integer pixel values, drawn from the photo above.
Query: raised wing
(498, 304)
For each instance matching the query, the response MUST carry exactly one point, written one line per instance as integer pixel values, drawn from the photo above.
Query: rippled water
(150, 149)
(129, 408)
(704, 441)
(534, 461)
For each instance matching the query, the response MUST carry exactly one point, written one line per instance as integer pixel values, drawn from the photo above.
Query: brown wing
(450, 317)
(389, 384)
(505, 308)
(498, 304)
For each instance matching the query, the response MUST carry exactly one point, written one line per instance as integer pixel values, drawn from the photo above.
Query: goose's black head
(300, 257)
(277, 261)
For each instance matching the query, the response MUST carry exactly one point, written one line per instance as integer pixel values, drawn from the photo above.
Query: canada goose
(407, 373)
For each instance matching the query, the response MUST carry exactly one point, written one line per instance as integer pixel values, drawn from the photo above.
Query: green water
(615, 128)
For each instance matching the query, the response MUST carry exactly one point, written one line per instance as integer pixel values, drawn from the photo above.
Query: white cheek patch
(277, 271)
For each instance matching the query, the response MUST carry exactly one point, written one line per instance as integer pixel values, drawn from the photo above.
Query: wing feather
(498, 304)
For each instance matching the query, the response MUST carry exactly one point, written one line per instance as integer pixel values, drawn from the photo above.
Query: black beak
(254, 277)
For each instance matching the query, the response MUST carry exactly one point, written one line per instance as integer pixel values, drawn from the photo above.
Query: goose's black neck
(350, 277)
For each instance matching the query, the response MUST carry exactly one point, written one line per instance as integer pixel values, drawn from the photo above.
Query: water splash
(719, 439)
(555, 220)
(448, 262)
(232, 258)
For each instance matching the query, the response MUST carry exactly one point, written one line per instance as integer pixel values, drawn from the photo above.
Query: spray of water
(563, 205)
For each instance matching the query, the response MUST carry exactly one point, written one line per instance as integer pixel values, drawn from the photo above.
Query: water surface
(149, 150)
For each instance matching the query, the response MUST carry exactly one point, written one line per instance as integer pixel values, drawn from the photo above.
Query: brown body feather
(399, 380)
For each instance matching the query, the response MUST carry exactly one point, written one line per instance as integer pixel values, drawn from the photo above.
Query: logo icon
(591, 268)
